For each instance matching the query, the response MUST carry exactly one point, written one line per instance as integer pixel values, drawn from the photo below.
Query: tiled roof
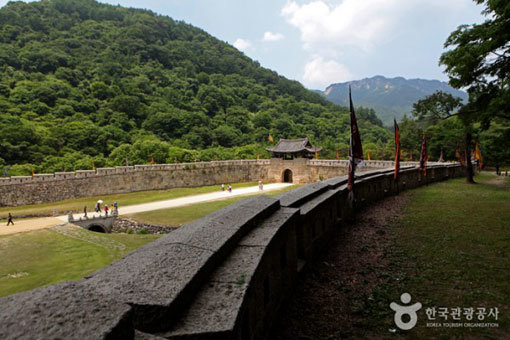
(294, 145)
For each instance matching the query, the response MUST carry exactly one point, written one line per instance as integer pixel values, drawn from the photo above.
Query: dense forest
(85, 83)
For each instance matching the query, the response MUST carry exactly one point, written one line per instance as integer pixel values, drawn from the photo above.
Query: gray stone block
(64, 311)
(317, 202)
(156, 280)
(335, 182)
(213, 315)
(217, 310)
(297, 196)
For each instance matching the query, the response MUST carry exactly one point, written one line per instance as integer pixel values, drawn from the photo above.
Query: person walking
(115, 208)
(106, 209)
(9, 220)
(222, 187)
(261, 186)
(85, 211)
(229, 188)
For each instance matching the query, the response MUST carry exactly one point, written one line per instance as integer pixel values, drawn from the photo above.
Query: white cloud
(242, 44)
(349, 29)
(270, 36)
(320, 73)
(326, 28)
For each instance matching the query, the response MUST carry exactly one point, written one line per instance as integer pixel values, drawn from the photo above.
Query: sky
(321, 42)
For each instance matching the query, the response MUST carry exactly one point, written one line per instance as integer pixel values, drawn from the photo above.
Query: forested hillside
(86, 83)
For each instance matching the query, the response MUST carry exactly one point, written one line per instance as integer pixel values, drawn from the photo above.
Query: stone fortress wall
(224, 276)
(44, 188)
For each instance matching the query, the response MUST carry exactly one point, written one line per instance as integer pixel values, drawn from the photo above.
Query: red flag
(33, 172)
(478, 155)
(397, 150)
(337, 156)
(175, 159)
(152, 159)
(355, 148)
(423, 156)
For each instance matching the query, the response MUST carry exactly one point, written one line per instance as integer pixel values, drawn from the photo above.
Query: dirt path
(29, 225)
(499, 181)
(327, 302)
(47, 222)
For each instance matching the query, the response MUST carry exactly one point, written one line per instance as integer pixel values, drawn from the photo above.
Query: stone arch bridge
(98, 223)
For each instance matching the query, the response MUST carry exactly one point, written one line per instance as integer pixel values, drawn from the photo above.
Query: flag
(270, 139)
(152, 159)
(33, 172)
(478, 154)
(397, 150)
(5, 172)
(127, 162)
(423, 156)
(368, 155)
(355, 148)
(175, 159)
(337, 156)
(316, 155)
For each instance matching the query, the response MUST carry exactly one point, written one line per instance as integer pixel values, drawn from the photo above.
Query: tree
(480, 61)
(494, 141)
(440, 106)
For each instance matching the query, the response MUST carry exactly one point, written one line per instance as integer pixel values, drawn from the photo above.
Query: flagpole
(355, 152)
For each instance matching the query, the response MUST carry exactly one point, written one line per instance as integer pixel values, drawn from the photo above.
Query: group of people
(114, 210)
(229, 187)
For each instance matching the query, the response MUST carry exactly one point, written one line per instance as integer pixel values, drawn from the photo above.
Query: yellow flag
(316, 155)
(270, 139)
(368, 154)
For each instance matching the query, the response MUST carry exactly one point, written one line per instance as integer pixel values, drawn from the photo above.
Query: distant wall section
(45, 188)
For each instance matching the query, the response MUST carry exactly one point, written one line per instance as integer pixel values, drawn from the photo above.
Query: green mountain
(85, 83)
(389, 97)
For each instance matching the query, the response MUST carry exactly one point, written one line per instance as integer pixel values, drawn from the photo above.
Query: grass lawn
(77, 204)
(451, 249)
(38, 258)
(186, 214)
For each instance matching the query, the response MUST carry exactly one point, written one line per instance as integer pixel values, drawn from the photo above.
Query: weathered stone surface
(336, 181)
(296, 197)
(213, 315)
(64, 311)
(139, 335)
(224, 227)
(155, 280)
(159, 277)
(217, 309)
(317, 201)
